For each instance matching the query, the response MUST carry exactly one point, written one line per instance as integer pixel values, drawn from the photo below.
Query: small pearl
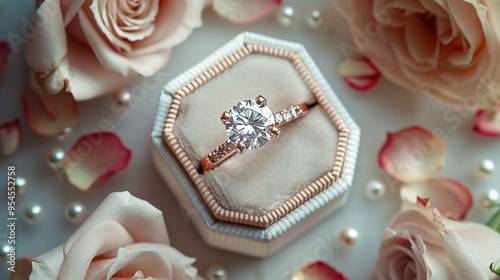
(65, 134)
(490, 199)
(33, 213)
(4, 250)
(484, 169)
(286, 15)
(349, 236)
(21, 185)
(216, 272)
(122, 99)
(56, 157)
(75, 212)
(375, 189)
(314, 18)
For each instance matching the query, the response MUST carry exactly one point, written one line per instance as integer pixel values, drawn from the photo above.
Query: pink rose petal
(4, 55)
(318, 271)
(94, 159)
(359, 73)
(487, 122)
(422, 201)
(10, 136)
(244, 12)
(451, 198)
(48, 114)
(412, 154)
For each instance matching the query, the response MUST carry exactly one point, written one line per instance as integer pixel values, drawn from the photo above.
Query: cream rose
(125, 238)
(448, 48)
(95, 47)
(419, 244)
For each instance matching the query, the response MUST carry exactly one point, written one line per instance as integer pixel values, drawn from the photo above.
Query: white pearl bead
(56, 157)
(349, 236)
(216, 272)
(375, 189)
(484, 169)
(21, 185)
(4, 250)
(122, 99)
(75, 212)
(286, 15)
(65, 134)
(33, 213)
(314, 18)
(490, 199)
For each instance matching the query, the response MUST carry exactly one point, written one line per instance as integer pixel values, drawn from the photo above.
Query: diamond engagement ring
(250, 125)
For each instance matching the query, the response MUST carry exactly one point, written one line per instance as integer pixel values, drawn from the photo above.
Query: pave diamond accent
(250, 123)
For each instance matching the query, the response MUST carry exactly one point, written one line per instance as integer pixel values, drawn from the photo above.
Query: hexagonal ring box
(257, 202)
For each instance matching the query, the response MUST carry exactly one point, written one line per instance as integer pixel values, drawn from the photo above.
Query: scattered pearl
(286, 15)
(21, 185)
(33, 213)
(4, 250)
(484, 169)
(315, 18)
(216, 272)
(65, 134)
(349, 236)
(122, 99)
(56, 157)
(75, 212)
(490, 199)
(375, 189)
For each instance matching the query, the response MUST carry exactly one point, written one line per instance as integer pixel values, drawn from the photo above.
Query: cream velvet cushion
(260, 180)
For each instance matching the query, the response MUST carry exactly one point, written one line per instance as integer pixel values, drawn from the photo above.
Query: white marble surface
(383, 108)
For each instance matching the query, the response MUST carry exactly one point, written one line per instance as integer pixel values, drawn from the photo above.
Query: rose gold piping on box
(191, 168)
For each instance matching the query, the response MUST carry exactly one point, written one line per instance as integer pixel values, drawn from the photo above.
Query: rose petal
(451, 198)
(94, 159)
(422, 201)
(318, 271)
(23, 269)
(4, 55)
(459, 250)
(10, 136)
(412, 154)
(48, 114)
(359, 73)
(487, 122)
(244, 12)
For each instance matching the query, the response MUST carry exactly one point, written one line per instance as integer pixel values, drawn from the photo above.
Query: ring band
(250, 124)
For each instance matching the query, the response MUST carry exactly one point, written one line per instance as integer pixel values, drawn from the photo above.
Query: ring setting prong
(225, 117)
(275, 132)
(241, 148)
(261, 101)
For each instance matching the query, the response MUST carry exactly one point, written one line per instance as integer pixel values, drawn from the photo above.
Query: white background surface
(384, 108)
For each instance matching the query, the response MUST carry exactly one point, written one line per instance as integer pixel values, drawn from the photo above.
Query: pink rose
(95, 47)
(448, 48)
(125, 238)
(419, 244)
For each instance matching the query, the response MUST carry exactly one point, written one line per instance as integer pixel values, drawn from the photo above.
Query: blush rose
(95, 47)
(125, 238)
(419, 244)
(448, 48)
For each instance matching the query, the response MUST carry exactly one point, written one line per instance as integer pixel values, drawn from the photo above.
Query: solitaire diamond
(250, 123)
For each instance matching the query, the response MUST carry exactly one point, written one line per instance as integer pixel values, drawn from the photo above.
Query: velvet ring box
(257, 202)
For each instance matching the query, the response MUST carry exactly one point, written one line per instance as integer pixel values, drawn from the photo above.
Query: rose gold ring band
(228, 149)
